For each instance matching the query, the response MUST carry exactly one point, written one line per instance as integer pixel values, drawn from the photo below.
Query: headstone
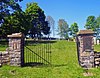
(95, 41)
(16, 49)
(98, 42)
(85, 48)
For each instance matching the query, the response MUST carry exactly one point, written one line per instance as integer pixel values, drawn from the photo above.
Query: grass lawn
(3, 45)
(64, 65)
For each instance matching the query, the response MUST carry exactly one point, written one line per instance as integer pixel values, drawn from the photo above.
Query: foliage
(91, 23)
(3, 44)
(63, 28)
(15, 23)
(7, 7)
(51, 23)
(74, 29)
(30, 22)
(98, 21)
(94, 24)
(64, 65)
(98, 29)
(38, 20)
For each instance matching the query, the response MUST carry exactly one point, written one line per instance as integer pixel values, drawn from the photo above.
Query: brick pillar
(16, 49)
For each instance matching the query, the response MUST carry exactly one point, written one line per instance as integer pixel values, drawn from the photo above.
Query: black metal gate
(37, 52)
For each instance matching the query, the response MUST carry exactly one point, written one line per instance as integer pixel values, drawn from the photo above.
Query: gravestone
(85, 44)
(16, 49)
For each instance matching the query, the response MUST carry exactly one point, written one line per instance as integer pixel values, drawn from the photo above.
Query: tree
(98, 21)
(91, 23)
(39, 25)
(98, 28)
(74, 29)
(63, 28)
(46, 29)
(51, 23)
(15, 23)
(7, 7)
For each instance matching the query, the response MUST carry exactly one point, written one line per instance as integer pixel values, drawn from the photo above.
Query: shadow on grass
(36, 64)
(31, 64)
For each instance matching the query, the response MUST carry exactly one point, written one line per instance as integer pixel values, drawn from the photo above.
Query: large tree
(51, 24)
(15, 23)
(63, 28)
(7, 7)
(98, 21)
(26, 22)
(91, 23)
(98, 28)
(38, 20)
(74, 29)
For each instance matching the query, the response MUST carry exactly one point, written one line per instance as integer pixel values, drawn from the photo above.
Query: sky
(70, 10)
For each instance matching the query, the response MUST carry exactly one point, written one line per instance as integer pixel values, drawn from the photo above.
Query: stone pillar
(16, 49)
(85, 48)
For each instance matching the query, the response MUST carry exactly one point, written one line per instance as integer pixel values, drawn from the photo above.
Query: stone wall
(97, 59)
(4, 58)
(14, 56)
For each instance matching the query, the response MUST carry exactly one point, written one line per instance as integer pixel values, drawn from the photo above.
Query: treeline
(30, 22)
(34, 23)
(65, 30)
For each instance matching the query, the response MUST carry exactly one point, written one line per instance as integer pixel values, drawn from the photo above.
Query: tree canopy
(7, 7)
(51, 24)
(39, 25)
(31, 22)
(63, 28)
(15, 23)
(91, 23)
(74, 29)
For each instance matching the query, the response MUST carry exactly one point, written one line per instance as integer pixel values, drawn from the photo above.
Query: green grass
(97, 48)
(3, 45)
(64, 65)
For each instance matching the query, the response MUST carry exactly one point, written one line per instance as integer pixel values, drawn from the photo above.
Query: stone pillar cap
(81, 32)
(15, 35)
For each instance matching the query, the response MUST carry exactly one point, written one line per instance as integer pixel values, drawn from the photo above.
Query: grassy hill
(64, 65)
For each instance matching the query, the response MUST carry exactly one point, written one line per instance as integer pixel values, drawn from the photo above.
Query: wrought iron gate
(37, 52)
